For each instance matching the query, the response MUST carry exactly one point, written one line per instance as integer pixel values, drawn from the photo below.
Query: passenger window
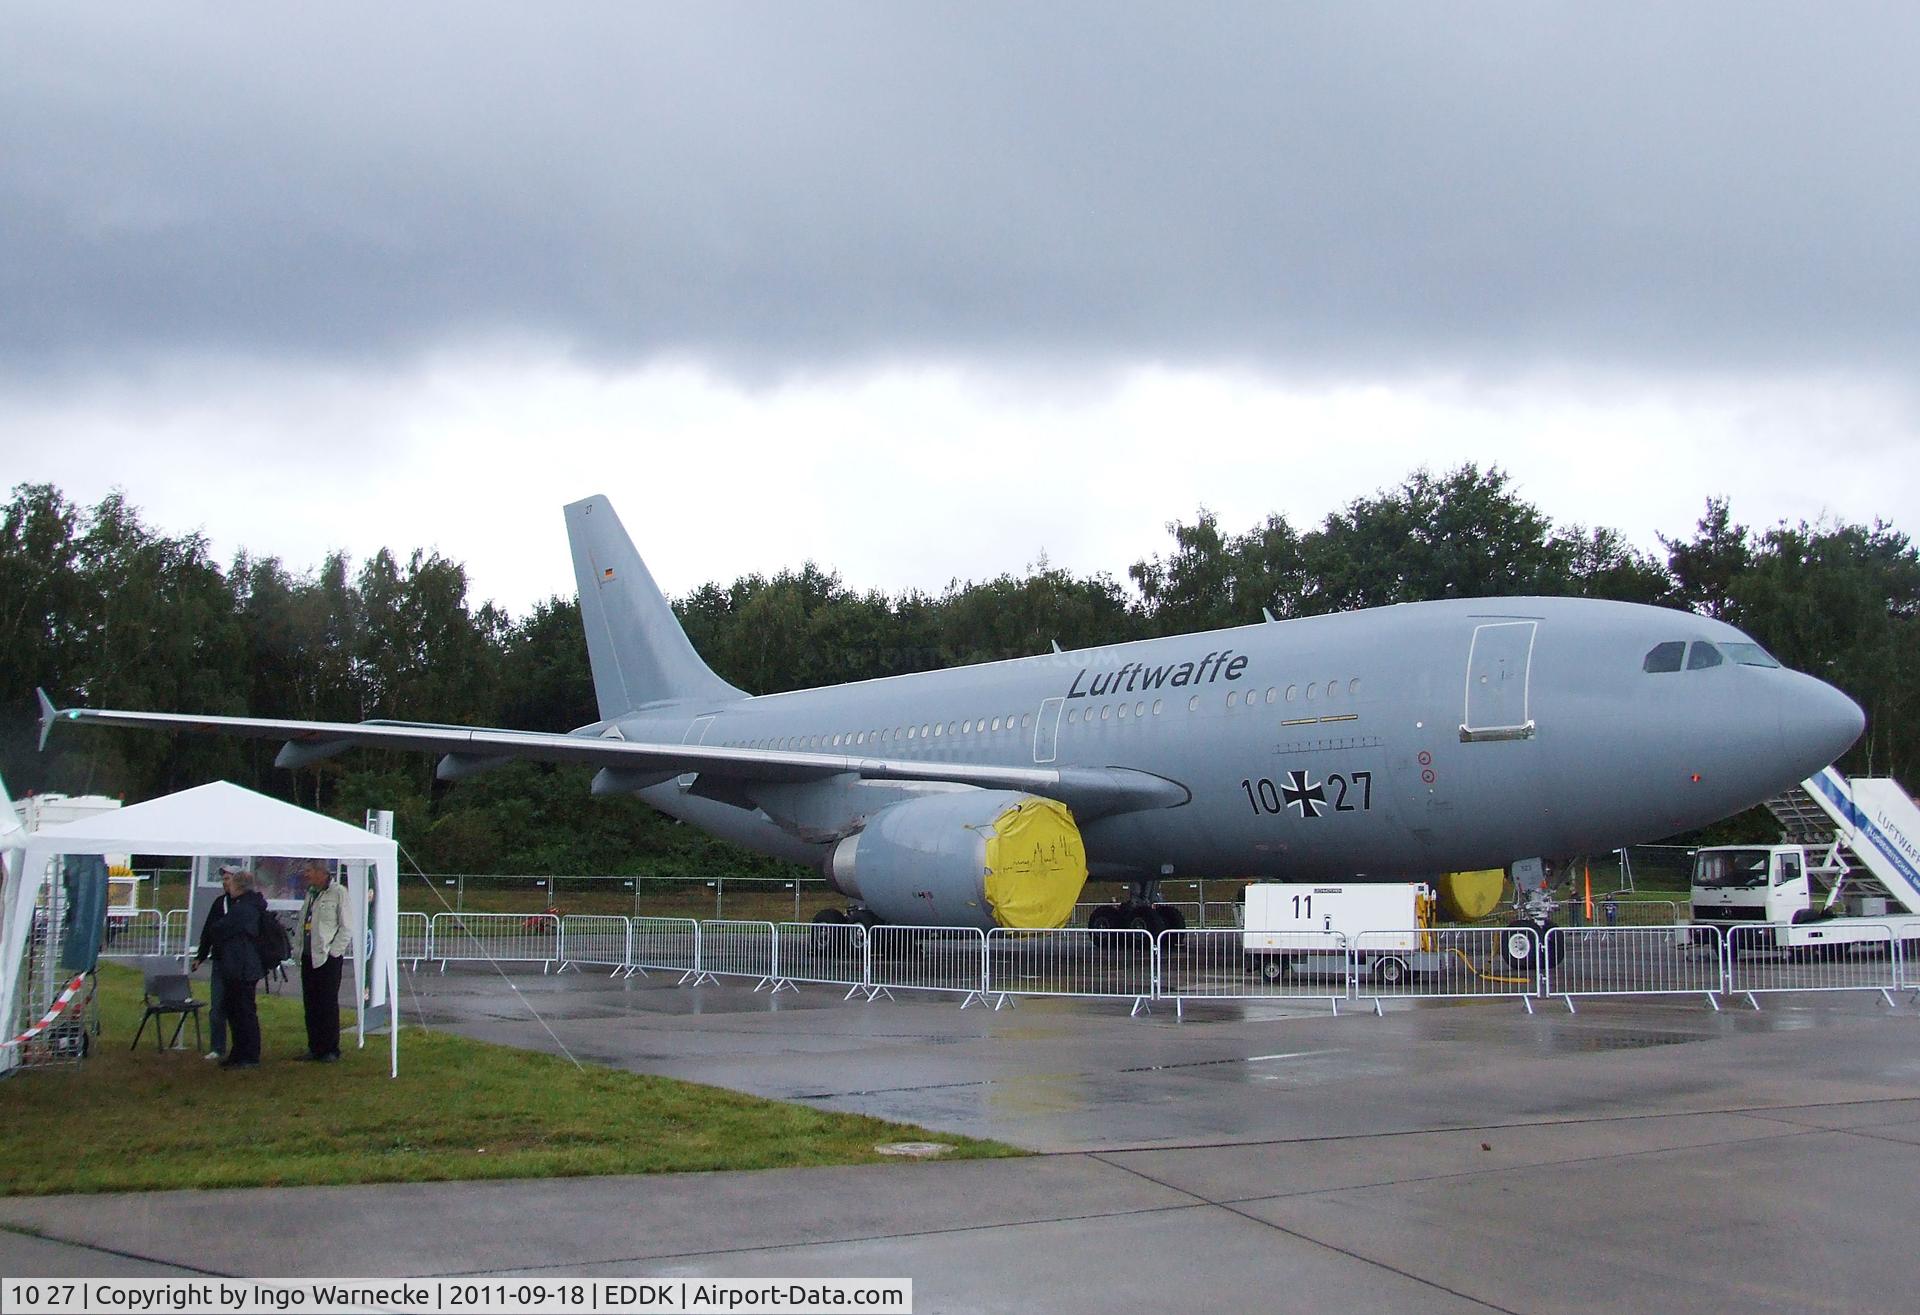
(1311, 691)
(1664, 657)
(1156, 707)
(1106, 711)
(966, 727)
(1353, 687)
(1702, 655)
(1073, 715)
(1123, 712)
(1140, 708)
(1233, 697)
(1026, 720)
(996, 723)
(1291, 691)
(1193, 704)
(1272, 693)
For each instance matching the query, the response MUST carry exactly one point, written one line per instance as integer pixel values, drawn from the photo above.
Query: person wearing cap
(324, 942)
(237, 959)
(217, 1010)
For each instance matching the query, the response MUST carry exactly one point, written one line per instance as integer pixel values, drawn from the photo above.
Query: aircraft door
(1046, 731)
(1499, 667)
(696, 734)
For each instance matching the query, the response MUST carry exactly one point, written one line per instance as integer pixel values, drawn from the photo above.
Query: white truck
(1286, 926)
(1802, 894)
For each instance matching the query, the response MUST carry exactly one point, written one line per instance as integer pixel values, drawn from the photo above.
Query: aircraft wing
(632, 765)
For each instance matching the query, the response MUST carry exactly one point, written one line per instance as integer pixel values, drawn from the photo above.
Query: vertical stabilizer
(638, 651)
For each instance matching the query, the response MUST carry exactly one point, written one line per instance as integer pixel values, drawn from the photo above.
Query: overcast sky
(927, 291)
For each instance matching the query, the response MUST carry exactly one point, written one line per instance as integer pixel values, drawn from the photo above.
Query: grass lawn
(141, 1120)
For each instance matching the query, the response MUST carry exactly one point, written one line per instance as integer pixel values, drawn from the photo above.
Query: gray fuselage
(1395, 741)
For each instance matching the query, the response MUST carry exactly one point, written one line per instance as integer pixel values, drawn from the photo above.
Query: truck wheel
(1275, 967)
(1389, 971)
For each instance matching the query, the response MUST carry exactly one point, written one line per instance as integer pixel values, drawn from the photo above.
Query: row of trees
(106, 611)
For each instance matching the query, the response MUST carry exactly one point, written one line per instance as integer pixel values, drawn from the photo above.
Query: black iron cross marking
(1303, 793)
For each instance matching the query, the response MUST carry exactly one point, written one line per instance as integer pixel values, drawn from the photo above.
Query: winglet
(1268, 614)
(47, 713)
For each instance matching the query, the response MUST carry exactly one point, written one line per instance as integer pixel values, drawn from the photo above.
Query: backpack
(272, 941)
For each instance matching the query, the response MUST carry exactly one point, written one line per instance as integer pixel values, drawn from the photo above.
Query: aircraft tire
(1173, 919)
(1148, 920)
(1518, 950)
(1102, 918)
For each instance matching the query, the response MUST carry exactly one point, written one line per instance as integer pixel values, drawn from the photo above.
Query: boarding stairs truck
(1847, 867)
(1284, 930)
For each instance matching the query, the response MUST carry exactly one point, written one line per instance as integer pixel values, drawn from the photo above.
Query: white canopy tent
(222, 820)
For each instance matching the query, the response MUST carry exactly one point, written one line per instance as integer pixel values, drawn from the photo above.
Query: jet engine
(973, 858)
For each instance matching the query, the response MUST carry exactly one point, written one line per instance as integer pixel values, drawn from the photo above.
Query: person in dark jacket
(217, 1011)
(237, 960)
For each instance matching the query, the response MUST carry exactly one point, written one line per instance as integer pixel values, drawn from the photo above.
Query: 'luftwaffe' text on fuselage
(1134, 677)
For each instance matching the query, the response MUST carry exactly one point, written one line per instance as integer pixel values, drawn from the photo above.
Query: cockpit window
(1665, 657)
(1749, 655)
(1703, 655)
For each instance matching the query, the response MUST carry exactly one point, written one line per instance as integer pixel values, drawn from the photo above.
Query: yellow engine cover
(1036, 865)
(1470, 896)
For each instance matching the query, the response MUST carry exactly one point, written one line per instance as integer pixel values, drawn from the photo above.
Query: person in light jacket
(324, 942)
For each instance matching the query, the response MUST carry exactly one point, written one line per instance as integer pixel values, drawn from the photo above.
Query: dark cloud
(1342, 187)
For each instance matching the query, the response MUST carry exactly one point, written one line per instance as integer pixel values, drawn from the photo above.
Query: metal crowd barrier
(828, 954)
(1216, 965)
(736, 948)
(1445, 963)
(600, 939)
(496, 938)
(138, 935)
(669, 945)
(1633, 961)
(1129, 964)
(906, 958)
(415, 939)
(1760, 962)
(174, 935)
(1118, 964)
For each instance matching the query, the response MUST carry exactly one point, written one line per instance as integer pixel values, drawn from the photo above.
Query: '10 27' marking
(1307, 796)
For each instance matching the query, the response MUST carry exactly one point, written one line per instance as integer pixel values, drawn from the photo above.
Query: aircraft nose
(1818, 722)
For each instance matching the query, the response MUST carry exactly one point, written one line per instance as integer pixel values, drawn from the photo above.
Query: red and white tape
(47, 1021)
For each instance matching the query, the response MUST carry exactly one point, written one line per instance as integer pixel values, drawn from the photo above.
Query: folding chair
(169, 993)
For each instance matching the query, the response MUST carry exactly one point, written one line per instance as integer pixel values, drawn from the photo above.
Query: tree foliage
(106, 611)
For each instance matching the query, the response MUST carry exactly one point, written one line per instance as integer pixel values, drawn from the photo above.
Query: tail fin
(638, 651)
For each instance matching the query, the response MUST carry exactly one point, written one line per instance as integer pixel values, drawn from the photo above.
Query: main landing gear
(1140, 913)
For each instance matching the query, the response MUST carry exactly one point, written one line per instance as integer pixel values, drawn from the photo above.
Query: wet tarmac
(1638, 1155)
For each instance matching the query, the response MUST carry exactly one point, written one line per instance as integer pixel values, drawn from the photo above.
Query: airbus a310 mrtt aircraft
(1392, 742)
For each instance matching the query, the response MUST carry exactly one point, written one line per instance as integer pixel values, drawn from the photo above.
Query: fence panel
(735, 948)
(667, 944)
(1445, 963)
(174, 937)
(1214, 965)
(1633, 961)
(1908, 971)
(496, 938)
(909, 958)
(134, 936)
(601, 939)
(1760, 962)
(832, 954)
(415, 939)
(1068, 961)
